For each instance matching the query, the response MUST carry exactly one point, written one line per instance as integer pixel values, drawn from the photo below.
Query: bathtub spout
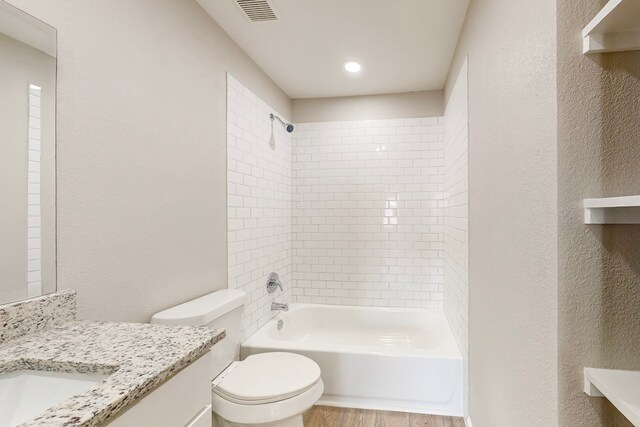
(276, 306)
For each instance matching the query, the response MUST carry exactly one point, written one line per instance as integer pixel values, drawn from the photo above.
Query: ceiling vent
(257, 10)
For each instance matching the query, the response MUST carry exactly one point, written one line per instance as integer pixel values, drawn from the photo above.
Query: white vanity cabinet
(184, 400)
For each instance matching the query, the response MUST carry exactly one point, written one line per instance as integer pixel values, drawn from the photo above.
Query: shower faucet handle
(273, 282)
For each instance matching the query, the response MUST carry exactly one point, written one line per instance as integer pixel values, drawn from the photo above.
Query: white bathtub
(373, 358)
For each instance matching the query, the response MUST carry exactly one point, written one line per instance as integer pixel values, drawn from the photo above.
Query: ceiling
(403, 45)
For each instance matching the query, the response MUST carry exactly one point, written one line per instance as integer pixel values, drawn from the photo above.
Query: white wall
(367, 212)
(259, 203)
(369, 107)
(142, 151)
(513, 210)
(456, 214)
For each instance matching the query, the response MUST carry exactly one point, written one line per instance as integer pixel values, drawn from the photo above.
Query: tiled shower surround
(456, 215)
(258, 203)
(346, 212)
(367, 213)
(456, 212)
(34, 210)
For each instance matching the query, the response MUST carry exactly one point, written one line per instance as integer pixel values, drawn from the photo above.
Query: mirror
(27, 155)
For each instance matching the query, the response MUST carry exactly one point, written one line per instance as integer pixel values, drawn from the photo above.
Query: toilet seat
(267, 378)
(265, 388)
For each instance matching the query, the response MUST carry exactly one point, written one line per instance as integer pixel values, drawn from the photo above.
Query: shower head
(288, 126)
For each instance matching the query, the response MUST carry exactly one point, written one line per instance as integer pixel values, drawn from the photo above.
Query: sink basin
(26, 394)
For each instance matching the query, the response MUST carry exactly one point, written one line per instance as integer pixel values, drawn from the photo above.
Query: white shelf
(615, 28)
(622, 388)
(612, 210)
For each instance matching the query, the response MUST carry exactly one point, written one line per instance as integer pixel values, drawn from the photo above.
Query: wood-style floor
(328, 416)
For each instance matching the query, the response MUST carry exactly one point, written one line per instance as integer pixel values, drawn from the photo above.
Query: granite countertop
(137, 357)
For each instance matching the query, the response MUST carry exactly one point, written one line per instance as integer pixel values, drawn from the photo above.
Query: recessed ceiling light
(352, 67)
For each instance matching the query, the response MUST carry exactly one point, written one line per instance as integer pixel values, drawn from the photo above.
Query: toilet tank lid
(200, 311)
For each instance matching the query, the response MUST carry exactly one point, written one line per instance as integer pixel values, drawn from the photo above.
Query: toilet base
(295, 421)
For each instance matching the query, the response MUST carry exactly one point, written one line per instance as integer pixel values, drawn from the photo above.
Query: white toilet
(265, 390)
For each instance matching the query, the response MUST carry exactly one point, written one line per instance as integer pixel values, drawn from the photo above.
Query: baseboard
(467, 422)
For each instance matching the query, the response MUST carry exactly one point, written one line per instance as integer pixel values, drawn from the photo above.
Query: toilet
(264, 390)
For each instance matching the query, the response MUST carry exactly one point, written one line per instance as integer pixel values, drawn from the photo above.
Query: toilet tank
(218, 310)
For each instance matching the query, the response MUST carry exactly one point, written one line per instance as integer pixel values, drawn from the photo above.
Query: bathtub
(372, 358)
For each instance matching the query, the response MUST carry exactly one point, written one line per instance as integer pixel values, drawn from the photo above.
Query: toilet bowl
(269, 389)
(264, 390)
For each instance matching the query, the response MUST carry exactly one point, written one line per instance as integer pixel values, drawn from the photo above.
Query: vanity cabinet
(184, 400)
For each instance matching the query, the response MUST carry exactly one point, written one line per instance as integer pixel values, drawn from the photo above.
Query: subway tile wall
(367, 210)
(34, 205)
(258, 203)
(456, 212)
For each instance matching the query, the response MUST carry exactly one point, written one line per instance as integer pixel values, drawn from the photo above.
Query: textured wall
(511, 48)
(142, 151)
(259, 203)
(599, 265)
(456, 214)
(367, 212)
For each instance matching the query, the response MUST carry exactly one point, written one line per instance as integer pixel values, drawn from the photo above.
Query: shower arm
(288, 126)
(274, 117)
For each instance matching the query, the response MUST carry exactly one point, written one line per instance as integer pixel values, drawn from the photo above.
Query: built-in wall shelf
(615, 28)
(612, 210)
(622, 388)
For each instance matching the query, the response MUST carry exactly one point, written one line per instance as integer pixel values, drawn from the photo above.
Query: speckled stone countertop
(137, 358)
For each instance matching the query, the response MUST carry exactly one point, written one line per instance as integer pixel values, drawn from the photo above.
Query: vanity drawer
(181, 401)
